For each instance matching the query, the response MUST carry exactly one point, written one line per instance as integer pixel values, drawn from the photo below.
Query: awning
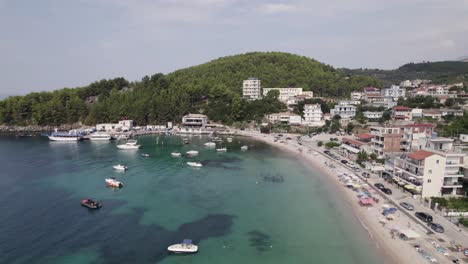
(351, 149)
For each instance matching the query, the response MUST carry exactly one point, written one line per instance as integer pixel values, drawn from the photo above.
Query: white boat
(186, 247)
(99, 137)
(145, 155)
(229, 139)
(176, 154)
(119, 167)
(192, 152)
(63, 136)
(244, 148)
(131, 144)
(221, 150)
(195, 164)
(217, 139)
(210, 144)
(112, 182)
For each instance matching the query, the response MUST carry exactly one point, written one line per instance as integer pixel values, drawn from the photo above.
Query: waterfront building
(433, 171)
(386, 139)
(372, 116)
(285, 118)
(194, 121)
(350, 147)
(284, 93)
(344, 110)
(251, 89)
(463, 138)
(126, 125)
(313, 115)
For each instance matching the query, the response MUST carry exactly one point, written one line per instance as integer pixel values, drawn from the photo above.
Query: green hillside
(214, 88)
(438, 72)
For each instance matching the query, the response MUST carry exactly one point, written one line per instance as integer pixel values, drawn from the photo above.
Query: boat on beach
(221, 150)
(113, 182)
(194, 164)
(120, 167)
(192, 152)
(176, 154)
(90, 204)
(186, 247)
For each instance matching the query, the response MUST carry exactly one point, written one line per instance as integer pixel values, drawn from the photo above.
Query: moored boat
(113, 182)
(229, 139)
(130, 144)
(244, 148)
(210, 144)
(221, 149)
(176, 154)
(186, 247)
(194, 164)
(146, 155)
(99, 137)
(192, 152)
(120, 167)
(217, 139)
(64, 136)
(90, 204)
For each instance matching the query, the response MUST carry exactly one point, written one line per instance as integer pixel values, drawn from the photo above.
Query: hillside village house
(401, 113)
(344, 110)
(251, 88)
(394, 92)
(372, 116)
(416, 113)
(356, 95)
(386, 139)
(284, 93)
(313, 115)
(432, 113)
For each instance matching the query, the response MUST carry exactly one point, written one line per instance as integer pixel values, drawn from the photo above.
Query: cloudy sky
(50, 44)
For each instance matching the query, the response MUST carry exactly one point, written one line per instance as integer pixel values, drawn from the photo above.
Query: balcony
(452, 184)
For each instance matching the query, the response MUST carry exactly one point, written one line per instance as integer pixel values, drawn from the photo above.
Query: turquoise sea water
(257, 206)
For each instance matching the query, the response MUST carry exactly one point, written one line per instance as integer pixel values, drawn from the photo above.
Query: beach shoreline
(391, 249)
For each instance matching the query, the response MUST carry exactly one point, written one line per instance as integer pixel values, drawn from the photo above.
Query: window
(428, 180)
(430, 171)
(437, 161)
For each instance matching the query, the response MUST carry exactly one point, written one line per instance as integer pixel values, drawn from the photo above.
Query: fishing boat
(119, 167)
(99, 137)
(244, 148)
(130, 144)
(210, 144)
(221, 150)
(64, 136)
(194, 164)
(186, 247)
(145, 155)
(90, 204)
(113, 182)
(176, 154)
(192, 152)
(229, 139)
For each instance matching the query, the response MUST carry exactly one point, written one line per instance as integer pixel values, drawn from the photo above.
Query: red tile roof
(352, 141)
(365, 136)
(401, 108)
(420, 155)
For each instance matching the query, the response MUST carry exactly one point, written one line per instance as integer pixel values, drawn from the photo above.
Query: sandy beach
(394, 249)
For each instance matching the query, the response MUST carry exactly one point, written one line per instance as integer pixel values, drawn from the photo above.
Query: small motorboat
(176, 154)
(146, 155)
(90, 204)
(113, 182)
(229, 139)
(192, 152)
(186, 141)
(186, 247)
(120, 167)
(129, 145)
(210, 144)
(244, 148)
(217, 139)
(221, 150)
(195, 164)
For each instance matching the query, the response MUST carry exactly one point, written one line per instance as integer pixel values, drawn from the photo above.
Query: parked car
(424, 216)
(344, 161)
(356, 169)
(379, 186)
(366, 175)
(327, 152)
(436, 227)
(407, 206)
(387, 191)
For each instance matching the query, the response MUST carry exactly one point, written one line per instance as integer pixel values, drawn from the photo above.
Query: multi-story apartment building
(386, 139)
(251, 88)
(412, 135)
(284, 93)
(344, 110)
(285, 118)
(432, 172)
(394, 92)
(313, 115)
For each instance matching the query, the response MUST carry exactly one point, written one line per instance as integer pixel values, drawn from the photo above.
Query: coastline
(393, 250)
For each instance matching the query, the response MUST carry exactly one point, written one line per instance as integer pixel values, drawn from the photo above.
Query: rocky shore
(4, 129)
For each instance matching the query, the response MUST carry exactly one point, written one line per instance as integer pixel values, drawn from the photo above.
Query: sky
(51, 44)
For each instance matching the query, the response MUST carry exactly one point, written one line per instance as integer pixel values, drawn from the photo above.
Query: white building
(285, 118)
(373, 115)
(251, 88)
(313, 115)
(344, 110)
(194, 121)
(406, 83)
(356, 96)
(416, 112)
(284, 93)
(463, 138)
(394, 92)
(126, 124)
(108, 127)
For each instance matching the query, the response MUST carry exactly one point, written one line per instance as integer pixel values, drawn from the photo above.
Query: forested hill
(438, 72)
(213, 88)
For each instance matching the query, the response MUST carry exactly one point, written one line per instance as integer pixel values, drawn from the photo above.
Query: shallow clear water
(257, 206)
